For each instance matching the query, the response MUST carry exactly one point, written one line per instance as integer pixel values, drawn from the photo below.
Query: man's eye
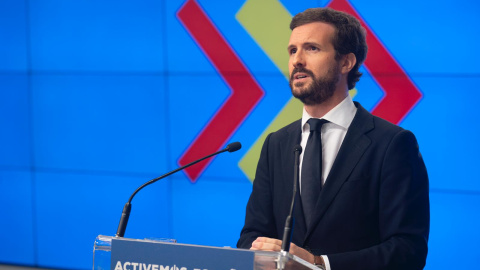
(313, 48)
(292, 51)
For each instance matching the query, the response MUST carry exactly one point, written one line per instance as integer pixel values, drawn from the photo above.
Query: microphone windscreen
(298, 148)
(233, 147)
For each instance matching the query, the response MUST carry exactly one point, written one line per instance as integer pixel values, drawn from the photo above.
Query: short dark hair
(349, 35)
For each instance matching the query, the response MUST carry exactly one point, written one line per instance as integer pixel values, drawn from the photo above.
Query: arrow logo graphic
(246, 92)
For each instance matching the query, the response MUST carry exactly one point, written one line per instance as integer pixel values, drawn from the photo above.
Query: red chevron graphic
(246, 92)
(401, 94)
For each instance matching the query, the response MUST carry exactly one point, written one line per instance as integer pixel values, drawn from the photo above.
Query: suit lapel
(352, 149)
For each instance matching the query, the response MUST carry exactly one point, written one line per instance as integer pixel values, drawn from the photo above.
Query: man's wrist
(318, 261)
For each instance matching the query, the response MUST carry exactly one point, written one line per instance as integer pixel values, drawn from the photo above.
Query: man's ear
(348, 61)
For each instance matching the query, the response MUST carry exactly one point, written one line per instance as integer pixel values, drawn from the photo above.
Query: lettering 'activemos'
(143, 266)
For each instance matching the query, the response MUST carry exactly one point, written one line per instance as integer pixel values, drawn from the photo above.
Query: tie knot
(316, 124)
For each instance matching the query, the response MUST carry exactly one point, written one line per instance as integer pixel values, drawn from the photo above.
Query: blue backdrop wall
(97, 97)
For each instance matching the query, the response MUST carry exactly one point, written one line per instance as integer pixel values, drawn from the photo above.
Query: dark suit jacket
(373, 211)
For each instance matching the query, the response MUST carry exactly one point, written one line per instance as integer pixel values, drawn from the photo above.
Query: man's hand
(270, 244)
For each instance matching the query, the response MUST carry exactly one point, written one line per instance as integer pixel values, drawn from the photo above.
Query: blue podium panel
(17, 218)
(13, 35)
(97, 35)
(158, 255)
(15, 137)
(72, 209)
(454, 229)
(100, 123)
(211, 211)
(445, 122)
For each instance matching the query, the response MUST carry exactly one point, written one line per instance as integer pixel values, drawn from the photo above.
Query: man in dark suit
(371, 207)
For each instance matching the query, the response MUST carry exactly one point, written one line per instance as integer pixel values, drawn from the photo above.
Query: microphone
(287, 233)
(122, 226)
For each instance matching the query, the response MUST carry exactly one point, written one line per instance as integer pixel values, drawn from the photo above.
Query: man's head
(323, 44)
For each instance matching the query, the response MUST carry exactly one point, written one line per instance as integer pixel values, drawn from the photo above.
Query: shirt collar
(341, 115)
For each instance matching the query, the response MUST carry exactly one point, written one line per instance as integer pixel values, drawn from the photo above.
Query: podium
(112, 253)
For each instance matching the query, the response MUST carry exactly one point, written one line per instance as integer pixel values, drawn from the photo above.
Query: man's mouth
(300, 76)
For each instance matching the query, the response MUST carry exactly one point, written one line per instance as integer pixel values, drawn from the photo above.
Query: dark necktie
(312, 169)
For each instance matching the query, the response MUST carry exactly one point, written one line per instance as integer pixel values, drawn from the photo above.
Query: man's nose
(298, 59)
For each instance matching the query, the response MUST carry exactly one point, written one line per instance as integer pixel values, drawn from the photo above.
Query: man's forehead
(319, 32)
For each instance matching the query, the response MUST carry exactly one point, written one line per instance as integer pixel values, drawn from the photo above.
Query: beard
(319, 90)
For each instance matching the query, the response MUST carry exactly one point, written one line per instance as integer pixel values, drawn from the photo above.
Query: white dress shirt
(333, 134)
